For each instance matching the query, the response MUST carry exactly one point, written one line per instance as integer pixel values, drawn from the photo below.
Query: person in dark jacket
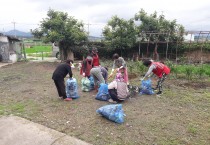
(58, 76)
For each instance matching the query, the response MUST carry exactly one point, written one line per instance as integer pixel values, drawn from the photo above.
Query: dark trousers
(160, 82)
(60, 88)
(113, 95)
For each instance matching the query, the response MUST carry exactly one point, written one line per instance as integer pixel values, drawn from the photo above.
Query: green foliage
(189, 72)
(120, 33)
(64, 29)
(207, 70)
(59, 27)
(200, 71)
(155, 23)
(140, 67)
(136, 67)
(37, 33)
(131, 66)
(173, 67)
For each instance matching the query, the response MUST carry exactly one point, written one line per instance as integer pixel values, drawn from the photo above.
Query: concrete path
(18, 131)
(39, 59)
(3, 64)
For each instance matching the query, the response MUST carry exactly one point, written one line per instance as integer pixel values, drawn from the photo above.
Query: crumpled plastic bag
(85, 84)
(113, 112)
(72, 88)
(146, 87)
(91, 83)
(103, 93)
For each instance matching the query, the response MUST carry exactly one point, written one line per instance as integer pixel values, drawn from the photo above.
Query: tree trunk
(66, 54)
(155, 52)
(70, 55)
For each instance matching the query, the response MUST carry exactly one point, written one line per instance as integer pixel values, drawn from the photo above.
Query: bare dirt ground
(180, 116)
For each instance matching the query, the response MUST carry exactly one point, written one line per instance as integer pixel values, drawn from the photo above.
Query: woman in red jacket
(160, 70)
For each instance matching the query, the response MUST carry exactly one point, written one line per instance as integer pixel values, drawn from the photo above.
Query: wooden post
(24, 52)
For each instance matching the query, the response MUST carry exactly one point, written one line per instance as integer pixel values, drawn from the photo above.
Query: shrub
(189, 72)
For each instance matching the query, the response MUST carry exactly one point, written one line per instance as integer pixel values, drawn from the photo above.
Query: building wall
(15, 49)
(10, 50)
(4, 48)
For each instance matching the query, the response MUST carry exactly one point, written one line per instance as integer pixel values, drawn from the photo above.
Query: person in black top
(58, 76)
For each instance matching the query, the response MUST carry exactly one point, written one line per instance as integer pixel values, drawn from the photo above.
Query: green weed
(192, 128)
(189, 72)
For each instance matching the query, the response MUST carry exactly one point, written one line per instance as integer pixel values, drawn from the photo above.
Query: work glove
(83, 74)
(141, 79)
(112, 71)
(72, 65)
(121, 67)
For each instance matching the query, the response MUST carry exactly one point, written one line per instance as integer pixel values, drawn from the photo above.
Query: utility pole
(14, 28)
(3, 31)
(88, 24)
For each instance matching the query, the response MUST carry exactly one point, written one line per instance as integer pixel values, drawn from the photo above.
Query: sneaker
(137, 89)
(68, 99)
(112, 101)
(159, 93)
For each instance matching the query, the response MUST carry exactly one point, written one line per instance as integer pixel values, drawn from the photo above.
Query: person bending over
(118, 64)
(58, 76)
(100, 75)
(160, 70)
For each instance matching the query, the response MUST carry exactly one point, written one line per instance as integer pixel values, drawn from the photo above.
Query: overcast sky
(27, 14)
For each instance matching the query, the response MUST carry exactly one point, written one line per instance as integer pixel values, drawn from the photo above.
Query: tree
(153, 23)
(120, 33)
(67, 31)
(154, 28)
(37, 33)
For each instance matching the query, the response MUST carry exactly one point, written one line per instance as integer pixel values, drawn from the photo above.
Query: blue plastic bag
(146, 87)
(103, 93)
(113, 112)
(72, 88)
(91, 83)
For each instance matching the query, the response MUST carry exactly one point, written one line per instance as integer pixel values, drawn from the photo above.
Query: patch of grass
(28, 108)
(17, 108)
(192, 128)
(169, 141)
(1, 110)
(36, 49)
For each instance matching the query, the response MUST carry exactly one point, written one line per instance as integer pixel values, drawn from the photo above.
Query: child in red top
(95, 57)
